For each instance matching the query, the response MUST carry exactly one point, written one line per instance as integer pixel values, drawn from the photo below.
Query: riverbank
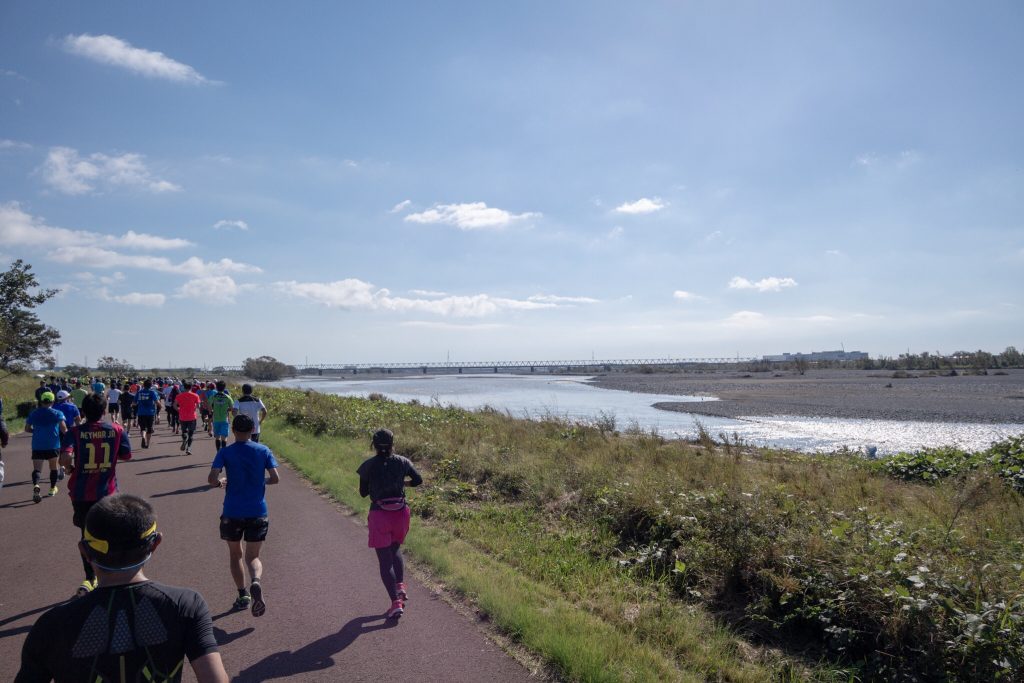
(624, 556)
(873, 394)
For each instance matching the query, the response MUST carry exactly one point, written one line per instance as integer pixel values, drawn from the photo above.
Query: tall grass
(828, 567)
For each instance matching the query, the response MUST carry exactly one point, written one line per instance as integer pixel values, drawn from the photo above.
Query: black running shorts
(253, 529)
(45, 455)
(113, 408)
(145, 422)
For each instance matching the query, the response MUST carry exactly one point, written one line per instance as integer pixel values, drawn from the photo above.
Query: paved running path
(324, 597)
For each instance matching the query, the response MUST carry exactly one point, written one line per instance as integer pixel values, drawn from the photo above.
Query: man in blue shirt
(47, 425)
(245, 507)
(146, 403)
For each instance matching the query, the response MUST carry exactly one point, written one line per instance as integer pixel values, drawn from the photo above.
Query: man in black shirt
(129, 628)
(383, 479)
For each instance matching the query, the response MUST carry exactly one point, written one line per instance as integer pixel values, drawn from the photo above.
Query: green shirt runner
(221, 404)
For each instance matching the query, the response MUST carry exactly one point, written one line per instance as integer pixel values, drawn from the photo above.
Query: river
(571, 397)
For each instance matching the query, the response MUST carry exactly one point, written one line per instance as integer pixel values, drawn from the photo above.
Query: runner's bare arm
(209, 669)
(274, 476)
(214, 479)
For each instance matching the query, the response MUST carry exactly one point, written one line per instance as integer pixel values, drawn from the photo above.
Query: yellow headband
(101, 546)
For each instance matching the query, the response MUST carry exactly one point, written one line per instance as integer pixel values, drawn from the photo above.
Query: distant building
(817, 356)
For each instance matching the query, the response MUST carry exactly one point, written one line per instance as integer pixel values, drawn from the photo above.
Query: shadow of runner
(194, 489)
(316, 656)
(223, 637)
(176, 469)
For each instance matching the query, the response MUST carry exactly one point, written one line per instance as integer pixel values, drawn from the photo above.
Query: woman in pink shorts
(383, 478)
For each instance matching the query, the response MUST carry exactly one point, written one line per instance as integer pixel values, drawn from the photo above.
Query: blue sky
(358, 182)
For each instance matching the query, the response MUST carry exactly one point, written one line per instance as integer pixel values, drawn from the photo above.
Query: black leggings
(188, 430)
(392, 568)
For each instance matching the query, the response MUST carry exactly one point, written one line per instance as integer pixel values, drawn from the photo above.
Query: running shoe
(396, 610)
(85, 588)
(35, 494)
(403, 595)
(242, 602)
(259, 607)
(53, 491)
(182, 445)
(188, 451)
(60, 473)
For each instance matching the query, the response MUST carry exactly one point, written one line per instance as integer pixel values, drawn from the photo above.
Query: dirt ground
(877, 394)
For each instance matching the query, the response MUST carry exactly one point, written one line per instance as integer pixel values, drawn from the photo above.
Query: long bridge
(499, 365)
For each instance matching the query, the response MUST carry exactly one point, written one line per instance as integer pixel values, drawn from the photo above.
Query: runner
(46, 425)
(4, 438)
(245, 507)
(114, 401)
(91, 452)
(127, 407)
(187, 402)
(170, 396)
(221, 405)
(158, 387)
(253, 407)
(77, 394)
(72, 416)
(204, 406)
(40, 390)
(146, 402)
(129, 628)
(383, 479)
(98, 387)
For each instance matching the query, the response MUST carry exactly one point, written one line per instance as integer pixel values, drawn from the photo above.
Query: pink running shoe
(402, 594)
(396, 610)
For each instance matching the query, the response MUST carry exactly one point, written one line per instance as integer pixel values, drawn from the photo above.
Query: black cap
(242, 423)
(383, 437)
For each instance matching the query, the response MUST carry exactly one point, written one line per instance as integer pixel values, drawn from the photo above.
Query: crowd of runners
(81, 430)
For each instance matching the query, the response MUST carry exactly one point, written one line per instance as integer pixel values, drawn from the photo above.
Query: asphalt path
(325, 601)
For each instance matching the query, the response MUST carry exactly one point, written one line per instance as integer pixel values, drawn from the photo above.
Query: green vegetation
(628, 557)
(266, 369)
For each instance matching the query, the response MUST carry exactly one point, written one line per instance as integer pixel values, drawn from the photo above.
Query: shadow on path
(223, 637)
(175, 469)
(19, 504)
(316, 656)
(179, 492)
(18, 630)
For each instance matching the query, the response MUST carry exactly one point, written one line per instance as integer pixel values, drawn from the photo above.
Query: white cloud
(683, 295)
(768, 284)
(438, 325)
(69, 173)
(214, 289)
(356, 294)
(553, 299)
(134, 298)
(96, 257)
(18, 228)
(746, 319)
(472, 216)
(14, 144)
(110, 50)
(401, 206)
(903, 159)
(833, 252)
(642, 205)
(227, 225)
(427, 292)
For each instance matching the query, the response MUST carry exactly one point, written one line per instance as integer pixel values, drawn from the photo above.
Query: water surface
(534, 397)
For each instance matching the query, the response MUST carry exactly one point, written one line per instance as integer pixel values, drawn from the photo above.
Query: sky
(335, 182)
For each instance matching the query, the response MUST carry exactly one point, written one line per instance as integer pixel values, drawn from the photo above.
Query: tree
(266, 368)
(24, 339)
(75, 370)
(114, 366)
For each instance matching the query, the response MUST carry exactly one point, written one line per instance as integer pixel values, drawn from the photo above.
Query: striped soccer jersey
(96, 446)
